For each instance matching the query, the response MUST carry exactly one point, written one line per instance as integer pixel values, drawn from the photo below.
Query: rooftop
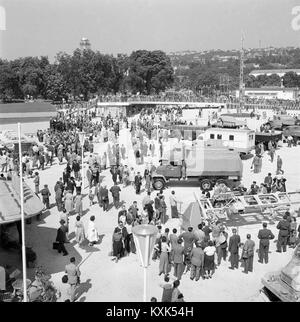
(274, 71)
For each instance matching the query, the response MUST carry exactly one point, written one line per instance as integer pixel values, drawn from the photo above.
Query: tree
(274, 80)
(9, 82)
(150, 71)
(291, 79)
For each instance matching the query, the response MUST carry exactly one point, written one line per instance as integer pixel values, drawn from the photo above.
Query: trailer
(241, 140)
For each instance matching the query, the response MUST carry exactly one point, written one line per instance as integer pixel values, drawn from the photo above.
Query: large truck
(203, 163)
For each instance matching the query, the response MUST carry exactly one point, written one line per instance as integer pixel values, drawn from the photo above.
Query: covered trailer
(205, 164)
(242, 140)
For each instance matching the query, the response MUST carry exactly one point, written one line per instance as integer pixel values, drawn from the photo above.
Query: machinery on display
(226, 205)
(284, 285)
(279, 122)
(204, 164)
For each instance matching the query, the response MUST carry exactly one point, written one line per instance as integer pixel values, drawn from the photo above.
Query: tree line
(84, 74)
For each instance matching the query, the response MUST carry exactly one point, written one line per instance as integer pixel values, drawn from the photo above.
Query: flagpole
(22, 218)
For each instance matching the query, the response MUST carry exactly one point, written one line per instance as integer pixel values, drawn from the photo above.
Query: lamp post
(22, 217)
(81, 138)
(144, 238)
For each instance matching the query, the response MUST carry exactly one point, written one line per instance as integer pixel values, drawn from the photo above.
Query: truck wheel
(205, 185)
(158, 184)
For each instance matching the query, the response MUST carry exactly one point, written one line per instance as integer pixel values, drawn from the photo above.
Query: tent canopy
(10, 202)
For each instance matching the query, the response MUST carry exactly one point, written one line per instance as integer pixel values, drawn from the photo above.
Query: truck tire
(158, 184)
(206, 185)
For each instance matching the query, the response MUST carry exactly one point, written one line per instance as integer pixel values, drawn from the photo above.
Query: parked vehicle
(242, 140)
(293, 130)
(282, 121)
(204, 164)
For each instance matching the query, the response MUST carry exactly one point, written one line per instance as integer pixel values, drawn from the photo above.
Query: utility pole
(241, 87)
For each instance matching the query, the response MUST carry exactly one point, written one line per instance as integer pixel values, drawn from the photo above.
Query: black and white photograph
(150, 152)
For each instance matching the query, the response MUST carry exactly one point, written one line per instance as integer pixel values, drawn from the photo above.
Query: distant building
(271, 93)
(85, 44)
(268, 72)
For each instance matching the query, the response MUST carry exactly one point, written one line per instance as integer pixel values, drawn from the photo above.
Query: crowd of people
(198, 252)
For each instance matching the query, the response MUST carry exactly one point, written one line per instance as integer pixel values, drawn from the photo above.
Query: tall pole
(145, 268)
(22, 218)
(82, 164)
(241, 87)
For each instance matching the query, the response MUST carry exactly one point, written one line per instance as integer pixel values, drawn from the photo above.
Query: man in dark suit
(138, 182)
(264, 236)
(105, 199)
(284, 231)
(248, 254)
(189, 238)
(178, 252)
(115, 191)
(233, 248)
(61, 238)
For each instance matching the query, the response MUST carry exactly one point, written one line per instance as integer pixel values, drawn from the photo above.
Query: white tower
(85, 44)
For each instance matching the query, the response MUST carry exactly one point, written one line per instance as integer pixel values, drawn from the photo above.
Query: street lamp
(144, 238)
(81, 139)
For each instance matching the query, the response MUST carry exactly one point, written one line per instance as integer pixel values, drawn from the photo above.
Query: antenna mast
(241, 87)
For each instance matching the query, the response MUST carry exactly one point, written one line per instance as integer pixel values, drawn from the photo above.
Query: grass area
(26, 107)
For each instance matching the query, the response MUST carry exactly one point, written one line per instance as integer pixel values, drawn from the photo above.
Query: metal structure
(81, 139)
(242, 86)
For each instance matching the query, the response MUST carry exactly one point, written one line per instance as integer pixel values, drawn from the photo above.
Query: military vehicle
(204, 164)
(284, 285)
(282, 121)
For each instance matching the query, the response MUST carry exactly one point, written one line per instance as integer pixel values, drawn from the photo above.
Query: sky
(46, 27)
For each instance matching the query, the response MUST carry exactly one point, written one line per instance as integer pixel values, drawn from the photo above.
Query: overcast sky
(45, 27)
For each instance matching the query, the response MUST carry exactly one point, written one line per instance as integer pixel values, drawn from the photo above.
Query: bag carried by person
(55, 245)
(245, 254)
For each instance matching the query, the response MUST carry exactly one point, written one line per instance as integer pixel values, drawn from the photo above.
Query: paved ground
(104, 280)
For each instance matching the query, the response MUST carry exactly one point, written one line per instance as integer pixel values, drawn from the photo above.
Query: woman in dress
(209, 259)
(164, 257)
(78, 204)
(69, 206)
(79, 230)
(92, 234)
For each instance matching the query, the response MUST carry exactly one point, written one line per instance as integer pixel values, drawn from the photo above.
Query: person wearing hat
(264, 236)
(61, 238)
(248, 254)
(233, 248)
(284, 231)
(197, 261)
(178, 259)
(45, 195)
(189, 238)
